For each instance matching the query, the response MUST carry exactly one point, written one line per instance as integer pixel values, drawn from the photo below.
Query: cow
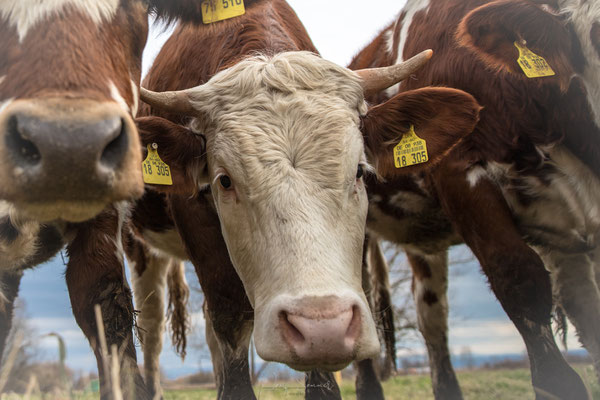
(285, 193)
(522, 190)
(70, 153)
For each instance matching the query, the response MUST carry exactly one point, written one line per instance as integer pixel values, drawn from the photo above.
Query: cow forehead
(293, 139)
(25, 14)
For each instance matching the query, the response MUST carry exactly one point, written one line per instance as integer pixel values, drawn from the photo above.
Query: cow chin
(61, 210)
(325, 332)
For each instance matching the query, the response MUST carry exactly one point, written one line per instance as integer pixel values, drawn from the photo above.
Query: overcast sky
(339, 30)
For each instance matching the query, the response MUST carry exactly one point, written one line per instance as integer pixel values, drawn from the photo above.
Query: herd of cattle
(286, 169)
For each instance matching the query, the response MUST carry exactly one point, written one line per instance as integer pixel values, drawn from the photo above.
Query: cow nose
(315, 333)
(36, 145)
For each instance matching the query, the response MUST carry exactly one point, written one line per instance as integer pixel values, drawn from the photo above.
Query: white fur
(475, 175)
(4, 104)
(2, 78)
(583, 17)
(149, 292)
(411, 8)
(118, 98)
(168, 242)
(285, 129)
(136, 99)
(25, 14)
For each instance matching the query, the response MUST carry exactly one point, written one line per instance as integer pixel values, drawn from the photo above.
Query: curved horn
(377, 79)
(177, 102)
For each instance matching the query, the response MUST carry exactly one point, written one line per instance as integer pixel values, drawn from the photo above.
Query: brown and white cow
(525, 180)
(70, 153)
(278, 139)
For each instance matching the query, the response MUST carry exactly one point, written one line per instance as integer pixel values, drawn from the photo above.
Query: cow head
(69, 78)
(565, 32)
(281, 140)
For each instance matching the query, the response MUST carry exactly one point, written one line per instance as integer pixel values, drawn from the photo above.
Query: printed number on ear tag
(155, 170)
(218, 10)
(411, 150)
(532, 65)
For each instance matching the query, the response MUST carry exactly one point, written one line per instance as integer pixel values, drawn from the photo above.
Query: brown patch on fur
(440, 116)
(491, 30)
(178, 146)
(429, 297)
(420, 267)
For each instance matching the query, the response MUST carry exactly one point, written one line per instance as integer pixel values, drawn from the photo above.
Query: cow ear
(439, 116)
(181, 149)
(490, 32)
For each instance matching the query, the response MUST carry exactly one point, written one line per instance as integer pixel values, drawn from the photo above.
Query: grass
(476, 385)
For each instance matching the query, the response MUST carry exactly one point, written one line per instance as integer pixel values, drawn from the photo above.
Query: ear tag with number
(533, 66)
(411, 150)
(218, 10)
(155, 170)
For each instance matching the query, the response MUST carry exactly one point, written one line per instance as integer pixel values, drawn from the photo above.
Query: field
(476, 385)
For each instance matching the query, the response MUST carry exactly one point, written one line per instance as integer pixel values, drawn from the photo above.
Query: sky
(339, 30)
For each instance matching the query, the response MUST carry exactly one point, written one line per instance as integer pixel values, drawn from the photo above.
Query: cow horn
(177, 102)
(377, 79)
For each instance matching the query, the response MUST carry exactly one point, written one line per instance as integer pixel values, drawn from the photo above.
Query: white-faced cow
(281, 139)
(526, 179)
(70, 154)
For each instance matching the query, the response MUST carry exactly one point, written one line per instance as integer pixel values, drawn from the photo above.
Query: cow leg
(367, 382)
(149, 280)
(95, 276)
(227, 305)
(321, 385)
(429, 288)
(574, 280)
(9, 290)
(515, 272)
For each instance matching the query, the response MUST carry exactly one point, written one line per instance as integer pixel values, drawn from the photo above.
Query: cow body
(290, 211)
(526, 178)
(70, 154)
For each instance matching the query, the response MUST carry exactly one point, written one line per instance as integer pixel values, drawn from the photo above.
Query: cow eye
(225, 181)
(360, 171)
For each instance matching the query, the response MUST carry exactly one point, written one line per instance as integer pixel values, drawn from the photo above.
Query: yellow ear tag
(154, 170)
(221, 9)
(411, 150)
(533, 65)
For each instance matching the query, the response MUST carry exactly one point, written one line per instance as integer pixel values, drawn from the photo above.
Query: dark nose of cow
(68, 158)
(38, 146)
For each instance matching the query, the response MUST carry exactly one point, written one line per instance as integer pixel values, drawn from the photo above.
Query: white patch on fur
(25, 14)
(2, 78)
(583, 15)
(136, 99)
(4, 104)
(149, 296)
(475, 175)
(116, 95)
(411, 8)
(433, 318)
(569, 204)
(167, 242)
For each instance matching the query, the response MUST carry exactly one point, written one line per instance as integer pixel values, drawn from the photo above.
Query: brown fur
(179, 294)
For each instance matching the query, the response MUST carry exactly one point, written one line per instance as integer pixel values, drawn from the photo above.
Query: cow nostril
(290, 329)
(113, 153)
(23, 150)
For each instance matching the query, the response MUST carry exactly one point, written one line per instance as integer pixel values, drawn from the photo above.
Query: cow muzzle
(318, 332)
(66, 158)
